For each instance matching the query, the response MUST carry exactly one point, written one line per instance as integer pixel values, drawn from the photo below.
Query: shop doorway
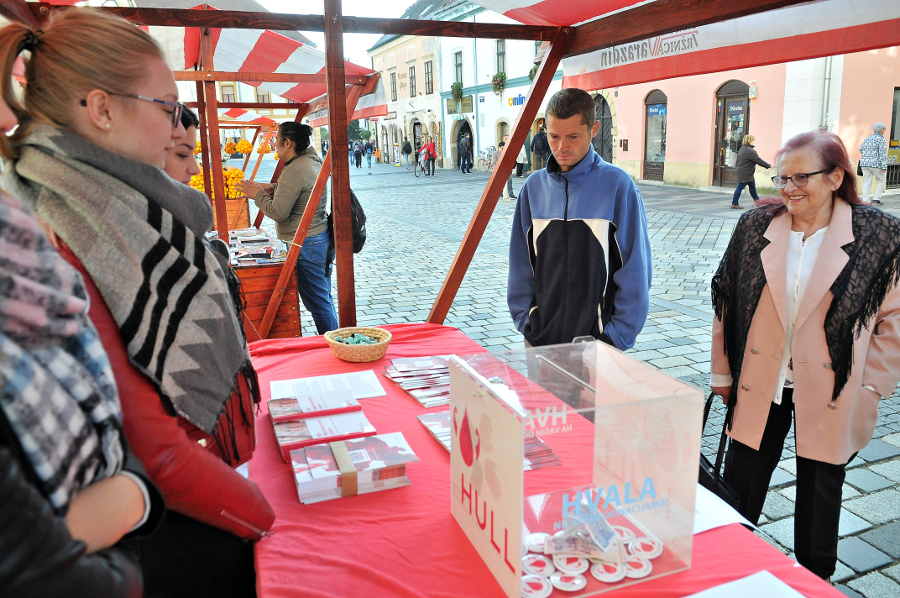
(603, 141)
(655, 136)
(463, 129)
(732, 123)
(417, 140)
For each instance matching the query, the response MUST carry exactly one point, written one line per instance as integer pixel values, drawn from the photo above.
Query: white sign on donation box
(486, 472)
(595, 453)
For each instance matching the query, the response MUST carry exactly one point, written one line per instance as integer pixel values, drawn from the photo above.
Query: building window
(393, 87)
(457, 61)
(412, 81)
(227, 93)
(501, 55)
(263, 97)
(429, 78)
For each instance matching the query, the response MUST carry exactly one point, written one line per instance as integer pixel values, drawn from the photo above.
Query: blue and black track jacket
(579, 255)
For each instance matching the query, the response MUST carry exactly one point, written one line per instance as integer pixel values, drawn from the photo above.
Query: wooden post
(250, 154)
(340, 169)
(300, 236)
(498, 179)
(204, 141)
(212, 124)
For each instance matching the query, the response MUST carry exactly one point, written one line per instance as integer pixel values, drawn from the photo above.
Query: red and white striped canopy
(800, 32)
(244, 117)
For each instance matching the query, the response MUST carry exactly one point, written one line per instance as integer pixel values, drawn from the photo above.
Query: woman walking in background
(747, 159)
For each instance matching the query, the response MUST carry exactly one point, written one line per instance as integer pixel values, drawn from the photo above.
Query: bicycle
(420, 167)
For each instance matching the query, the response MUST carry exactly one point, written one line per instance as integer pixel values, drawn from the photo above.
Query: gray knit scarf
(140, 235)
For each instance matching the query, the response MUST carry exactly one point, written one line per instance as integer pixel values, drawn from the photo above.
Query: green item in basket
(357, 339)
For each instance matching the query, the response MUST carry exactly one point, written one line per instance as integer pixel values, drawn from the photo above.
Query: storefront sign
(656, 110)
(461, 107)
(665, 45)
(735, 108)
(391, 116)
(516, 100)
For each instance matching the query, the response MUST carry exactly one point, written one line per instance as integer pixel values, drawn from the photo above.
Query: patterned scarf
(859, 290)
(140, 235)
(56, 386)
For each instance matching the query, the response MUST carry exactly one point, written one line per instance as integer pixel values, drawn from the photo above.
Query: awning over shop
(799, 32)
(246, 117)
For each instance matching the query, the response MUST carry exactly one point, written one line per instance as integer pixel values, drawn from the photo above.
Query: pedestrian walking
(324, 148)
(357, 153)
(874, 163)
(429, 154)
(521, 162)
(407, 150)
(798, 280)
(350, 147)
(540, 148)
(509, 188)
(367, 148)
(465, 154)
(495, 159)
(747, 159)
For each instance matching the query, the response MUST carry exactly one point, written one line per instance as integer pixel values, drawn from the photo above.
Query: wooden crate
(258, 284)
(238, 211)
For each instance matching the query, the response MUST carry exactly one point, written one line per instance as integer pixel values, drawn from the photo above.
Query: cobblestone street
(415, 227)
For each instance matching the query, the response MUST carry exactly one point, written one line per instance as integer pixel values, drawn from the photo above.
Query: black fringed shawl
(873, 269)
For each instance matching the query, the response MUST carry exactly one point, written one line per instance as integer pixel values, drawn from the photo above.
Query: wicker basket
(358, 353)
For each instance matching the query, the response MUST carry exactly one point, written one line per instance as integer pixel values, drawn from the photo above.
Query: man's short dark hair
(568, 102)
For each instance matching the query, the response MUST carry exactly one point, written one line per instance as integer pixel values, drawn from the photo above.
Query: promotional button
(608, 572)
(568, 582)
(646, 547)
(537, 564)
(535, 542)
(570, 564)
(623, 532)
(535, 586)
(637, 567)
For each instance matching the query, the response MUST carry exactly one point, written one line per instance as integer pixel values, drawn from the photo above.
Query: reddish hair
(832, 153)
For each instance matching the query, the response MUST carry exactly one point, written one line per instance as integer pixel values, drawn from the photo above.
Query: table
(404, 542)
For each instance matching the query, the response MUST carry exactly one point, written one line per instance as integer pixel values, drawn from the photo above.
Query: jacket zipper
(566, 248)
(250, 526)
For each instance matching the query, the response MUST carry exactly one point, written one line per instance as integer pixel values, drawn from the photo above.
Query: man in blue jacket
(579, 255)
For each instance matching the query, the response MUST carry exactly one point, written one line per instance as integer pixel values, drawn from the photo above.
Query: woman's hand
(722, 391)
(251, 188)
(102, 513)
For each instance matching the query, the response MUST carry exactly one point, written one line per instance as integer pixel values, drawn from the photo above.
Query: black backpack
(358, 222)
(540, 145)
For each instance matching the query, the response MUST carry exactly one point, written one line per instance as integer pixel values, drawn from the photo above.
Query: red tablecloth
(405, 542)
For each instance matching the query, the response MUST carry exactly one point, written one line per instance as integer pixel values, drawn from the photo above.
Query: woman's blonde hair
(79, 50)
(749, 139)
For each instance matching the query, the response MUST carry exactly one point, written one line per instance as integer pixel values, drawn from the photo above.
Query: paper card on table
(295, 434)
(405, 364)
(711, 512)
(324, 403)
(360, 385)
(752, 586)
(486, 470)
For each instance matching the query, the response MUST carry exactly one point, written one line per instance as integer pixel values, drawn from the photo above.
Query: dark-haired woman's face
(180, 164)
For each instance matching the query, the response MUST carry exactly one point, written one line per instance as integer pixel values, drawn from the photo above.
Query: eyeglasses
(800, 179)
(177, 107)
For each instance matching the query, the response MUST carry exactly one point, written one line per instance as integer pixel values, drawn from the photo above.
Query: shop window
(429, 78)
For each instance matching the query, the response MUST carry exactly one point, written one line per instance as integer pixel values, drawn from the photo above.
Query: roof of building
(241, 5)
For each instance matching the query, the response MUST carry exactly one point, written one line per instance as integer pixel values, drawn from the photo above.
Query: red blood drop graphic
(465, 440)
(535, 585)
(609, 568)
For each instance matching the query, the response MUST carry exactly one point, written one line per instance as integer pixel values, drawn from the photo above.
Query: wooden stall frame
(653, 19)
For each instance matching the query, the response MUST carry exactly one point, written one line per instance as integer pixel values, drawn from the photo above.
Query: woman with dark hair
(807, 326)
(88, 154)
(285, 202)
(180, 163)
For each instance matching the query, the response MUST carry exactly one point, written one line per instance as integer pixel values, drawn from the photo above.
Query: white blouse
(801, 259)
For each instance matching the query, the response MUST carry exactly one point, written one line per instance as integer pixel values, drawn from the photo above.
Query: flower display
(230, 148)
(244, 147)
(231, 178)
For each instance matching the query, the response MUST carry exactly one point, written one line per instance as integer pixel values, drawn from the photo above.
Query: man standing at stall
(579, 254)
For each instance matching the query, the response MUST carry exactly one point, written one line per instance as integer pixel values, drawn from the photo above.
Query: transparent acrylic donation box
(573, 467)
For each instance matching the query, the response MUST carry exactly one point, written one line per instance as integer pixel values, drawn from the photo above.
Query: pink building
(683, 130)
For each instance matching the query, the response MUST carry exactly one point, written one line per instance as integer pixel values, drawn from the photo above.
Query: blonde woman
(93, 137)
(747, 159)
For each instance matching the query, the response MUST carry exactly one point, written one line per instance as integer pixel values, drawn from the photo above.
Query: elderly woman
(747, 159)
(807, 325)
(873, 162)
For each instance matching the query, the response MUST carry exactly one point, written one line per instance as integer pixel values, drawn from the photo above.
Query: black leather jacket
(38, 557)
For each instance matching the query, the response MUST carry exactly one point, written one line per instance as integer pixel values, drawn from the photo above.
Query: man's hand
(102, 513)
(251, 188)
(722, 391)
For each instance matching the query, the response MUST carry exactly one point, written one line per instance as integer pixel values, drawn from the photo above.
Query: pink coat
(822, 433)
